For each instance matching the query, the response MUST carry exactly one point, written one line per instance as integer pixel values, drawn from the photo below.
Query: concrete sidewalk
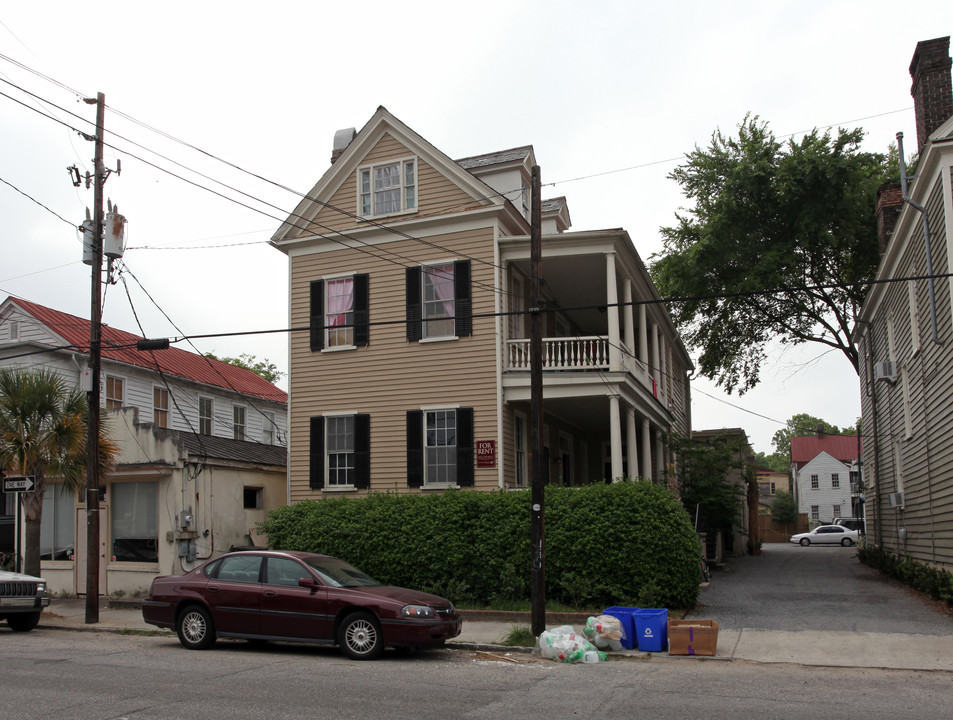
(820, 649)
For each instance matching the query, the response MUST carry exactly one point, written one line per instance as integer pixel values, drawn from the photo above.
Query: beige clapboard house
(905, 335)
(410, 272)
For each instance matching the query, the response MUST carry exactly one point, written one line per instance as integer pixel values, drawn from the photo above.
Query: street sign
(19, 483)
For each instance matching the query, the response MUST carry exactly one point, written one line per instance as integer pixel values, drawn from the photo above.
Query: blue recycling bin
(625, 618)
(651, 629)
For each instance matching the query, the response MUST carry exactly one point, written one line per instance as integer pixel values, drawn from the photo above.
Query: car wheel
(195, 628)
(846, 542)
(805, 542)
(23, 622)
(360, 636)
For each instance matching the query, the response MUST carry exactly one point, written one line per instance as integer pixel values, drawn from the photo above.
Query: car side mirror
(308, 583)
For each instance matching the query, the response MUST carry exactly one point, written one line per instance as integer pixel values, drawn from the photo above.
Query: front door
(81, 563)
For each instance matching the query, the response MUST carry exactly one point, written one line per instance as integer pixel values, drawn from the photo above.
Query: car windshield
(338, 573)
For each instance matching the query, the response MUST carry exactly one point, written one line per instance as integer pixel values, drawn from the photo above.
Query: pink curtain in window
(442, 279)
(340, 301)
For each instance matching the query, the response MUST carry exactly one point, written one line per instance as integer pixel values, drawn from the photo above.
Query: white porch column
(660, 459)
(612, 314)
(646, 447)
(615, 437)
(655, 353)
(631, 447)
(628, 317)
(643, 337)
(663, 366)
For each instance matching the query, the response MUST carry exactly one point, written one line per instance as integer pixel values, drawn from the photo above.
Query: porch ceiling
(577, 281)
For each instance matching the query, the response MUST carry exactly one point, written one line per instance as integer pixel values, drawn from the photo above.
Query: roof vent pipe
(926, 237)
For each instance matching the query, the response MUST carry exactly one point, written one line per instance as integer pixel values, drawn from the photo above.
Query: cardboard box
(692, 637)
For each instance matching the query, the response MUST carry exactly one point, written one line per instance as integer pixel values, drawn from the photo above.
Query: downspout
(926, 237)
(871, 390)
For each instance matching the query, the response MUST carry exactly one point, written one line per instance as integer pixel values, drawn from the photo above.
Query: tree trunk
(32, 503)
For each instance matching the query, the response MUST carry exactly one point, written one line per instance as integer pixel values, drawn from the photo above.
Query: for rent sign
(486, 453)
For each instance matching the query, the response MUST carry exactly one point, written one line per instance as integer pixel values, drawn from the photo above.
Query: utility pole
(538, 500)
(95, 356)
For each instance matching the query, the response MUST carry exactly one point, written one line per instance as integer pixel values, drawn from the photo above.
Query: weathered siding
(914, 416)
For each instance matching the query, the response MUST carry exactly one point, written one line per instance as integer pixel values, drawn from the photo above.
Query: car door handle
(213, 588)
(270, 593)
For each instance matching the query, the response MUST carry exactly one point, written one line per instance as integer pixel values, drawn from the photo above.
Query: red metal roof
(841, 447)
(120, 346)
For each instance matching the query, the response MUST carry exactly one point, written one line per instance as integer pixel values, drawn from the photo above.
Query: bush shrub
(605, 544)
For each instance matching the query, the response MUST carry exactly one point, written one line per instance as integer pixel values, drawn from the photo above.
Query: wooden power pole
(92, 396)
(538, 500)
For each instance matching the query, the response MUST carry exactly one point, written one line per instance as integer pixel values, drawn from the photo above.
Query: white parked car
(827, 535)
(22, 599)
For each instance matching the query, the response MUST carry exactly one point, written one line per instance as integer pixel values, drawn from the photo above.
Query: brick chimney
(889, 205)
(932, 91)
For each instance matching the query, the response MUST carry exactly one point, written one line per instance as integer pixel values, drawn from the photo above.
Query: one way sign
(19, 483)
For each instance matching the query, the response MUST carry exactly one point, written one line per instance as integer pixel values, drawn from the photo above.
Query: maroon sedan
(303, 597)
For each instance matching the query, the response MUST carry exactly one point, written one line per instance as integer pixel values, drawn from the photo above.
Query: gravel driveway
(789, 587)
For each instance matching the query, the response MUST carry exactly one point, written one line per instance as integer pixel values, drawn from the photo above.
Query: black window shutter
(316, 322)
(414, 310)
(465, 447)
(415, 448)
(462, 298)
(362, 451)
(362, 315)
(316, 468)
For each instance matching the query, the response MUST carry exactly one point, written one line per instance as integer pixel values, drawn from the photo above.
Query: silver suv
(22, 599)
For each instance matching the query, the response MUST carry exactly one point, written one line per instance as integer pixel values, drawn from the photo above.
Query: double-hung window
(238, 422)
(835, 480)
(269, 428)
(440, 447)
(519, 445)
(340, 452)
(439, 302)
(114, 392)
(387, 188)
(160, 407)
(815, 482)
(205, 415)
(339, 312)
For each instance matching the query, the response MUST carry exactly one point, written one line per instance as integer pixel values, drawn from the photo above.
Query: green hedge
(628, 544)
(936, 583)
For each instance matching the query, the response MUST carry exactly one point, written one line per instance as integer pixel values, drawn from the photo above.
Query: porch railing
(570, 353)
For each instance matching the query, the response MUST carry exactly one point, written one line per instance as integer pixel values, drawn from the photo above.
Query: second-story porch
(608, 346)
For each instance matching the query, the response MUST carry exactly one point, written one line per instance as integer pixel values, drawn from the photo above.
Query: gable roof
(120, 346)
(381, 123)
(841, 447)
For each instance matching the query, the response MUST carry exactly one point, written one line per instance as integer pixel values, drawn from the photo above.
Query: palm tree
(43, 433)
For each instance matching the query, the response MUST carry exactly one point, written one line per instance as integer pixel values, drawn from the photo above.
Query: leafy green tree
(265, 368)
(784, 508)
(779, 245)
(704, 470)
(43, 430)
(774, 461)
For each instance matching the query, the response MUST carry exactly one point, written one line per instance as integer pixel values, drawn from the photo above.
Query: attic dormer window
(388, 188)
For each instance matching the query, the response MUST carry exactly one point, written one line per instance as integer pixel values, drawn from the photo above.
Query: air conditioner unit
(885, 370)
(895, 500)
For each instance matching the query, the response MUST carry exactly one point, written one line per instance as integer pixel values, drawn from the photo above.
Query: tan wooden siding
(435, 193)
(392, 376)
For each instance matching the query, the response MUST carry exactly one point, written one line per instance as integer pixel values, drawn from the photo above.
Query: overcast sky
(610, 94)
